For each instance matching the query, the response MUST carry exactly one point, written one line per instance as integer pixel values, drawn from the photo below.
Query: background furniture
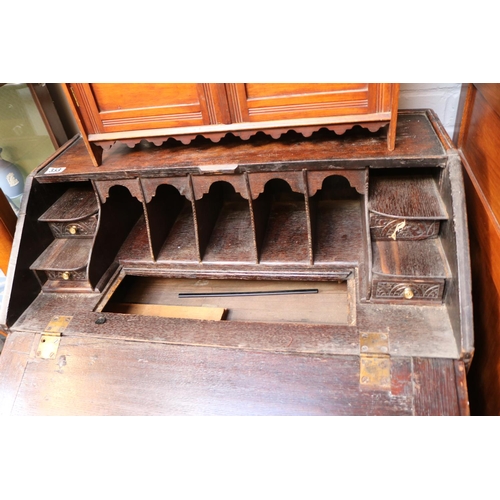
(479, 146)
(132, 112)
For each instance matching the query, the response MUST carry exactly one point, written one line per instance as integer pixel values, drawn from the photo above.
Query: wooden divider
(286, 217)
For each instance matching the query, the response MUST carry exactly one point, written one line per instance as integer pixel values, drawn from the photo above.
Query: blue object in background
(11, 181)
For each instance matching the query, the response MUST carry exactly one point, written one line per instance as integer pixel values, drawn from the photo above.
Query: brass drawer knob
(408, 293)
(73, 229)
(66, 275)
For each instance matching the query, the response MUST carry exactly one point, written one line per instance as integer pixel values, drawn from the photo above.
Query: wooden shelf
(75, 204)
(64, 255)
(410, 196)
(417, 259)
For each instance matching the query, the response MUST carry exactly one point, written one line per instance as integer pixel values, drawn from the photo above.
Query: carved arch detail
(358, 179)
(133, 186)
(259, 180)
(203, 183)
(150, 186)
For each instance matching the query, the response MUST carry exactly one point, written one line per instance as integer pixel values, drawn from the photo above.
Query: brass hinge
(51, 337)
(374, 360)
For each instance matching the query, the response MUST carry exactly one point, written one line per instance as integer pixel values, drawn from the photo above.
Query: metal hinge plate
(374, 363)
(51, 337)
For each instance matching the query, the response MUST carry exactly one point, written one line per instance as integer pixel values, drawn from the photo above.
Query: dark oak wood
(410, 197)
(105, 377)
(258, 216)
(15, 355)
(74, 205)
(430, 373)
(418, 146)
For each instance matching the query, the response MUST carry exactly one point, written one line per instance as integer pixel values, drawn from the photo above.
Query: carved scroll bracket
(358, 179)
(259, 180)
(133, 186)
(202, 184)
(150, 186)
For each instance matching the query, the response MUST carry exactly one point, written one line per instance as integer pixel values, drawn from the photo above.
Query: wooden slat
(140, 378)
(406, 196)
(13, 362)
(419, 259)
(155, 379)
(187, 312)
(75, 204)
(435, 387)
(64, 254)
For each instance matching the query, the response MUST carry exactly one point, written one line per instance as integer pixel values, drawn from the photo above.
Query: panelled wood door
(257, 102)
(109, 107)
(130, 112)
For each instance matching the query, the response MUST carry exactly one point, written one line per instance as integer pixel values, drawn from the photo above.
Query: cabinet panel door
(256, 102)
(111, 107)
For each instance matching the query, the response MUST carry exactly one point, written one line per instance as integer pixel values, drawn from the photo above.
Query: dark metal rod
(190, 295)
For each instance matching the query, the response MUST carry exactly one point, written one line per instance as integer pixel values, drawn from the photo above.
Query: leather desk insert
(286, 249)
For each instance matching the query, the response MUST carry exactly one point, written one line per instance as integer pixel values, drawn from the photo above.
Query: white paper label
(54, 170)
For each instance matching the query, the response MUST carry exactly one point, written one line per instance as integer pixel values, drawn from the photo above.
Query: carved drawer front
(75, 275)
(383, 227)
(73, 220)
(75, 229)
(405, 207)
(409, 270)
(410, 290)
(74, 215)
(64, 263)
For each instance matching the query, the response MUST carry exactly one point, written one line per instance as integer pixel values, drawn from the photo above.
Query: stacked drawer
(406, 213)
(73, 220)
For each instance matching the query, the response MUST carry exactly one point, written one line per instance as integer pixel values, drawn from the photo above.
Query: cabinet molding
(129, 113)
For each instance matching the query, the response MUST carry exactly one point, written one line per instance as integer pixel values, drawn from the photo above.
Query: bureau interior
(265, 219)
(270, 301)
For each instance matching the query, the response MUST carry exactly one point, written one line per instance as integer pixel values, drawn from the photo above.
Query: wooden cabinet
(479, 145)
(132, 112)
(341, 270)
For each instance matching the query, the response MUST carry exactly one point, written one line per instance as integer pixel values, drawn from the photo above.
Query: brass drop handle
(73, 229)
(66, 275)
(408, 293)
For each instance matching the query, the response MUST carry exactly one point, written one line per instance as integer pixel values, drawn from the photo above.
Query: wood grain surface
(479, 145)
(408, 196)
(328, 306)
(75, 204)
(106, 377)
(417, 146)
(128, 112)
